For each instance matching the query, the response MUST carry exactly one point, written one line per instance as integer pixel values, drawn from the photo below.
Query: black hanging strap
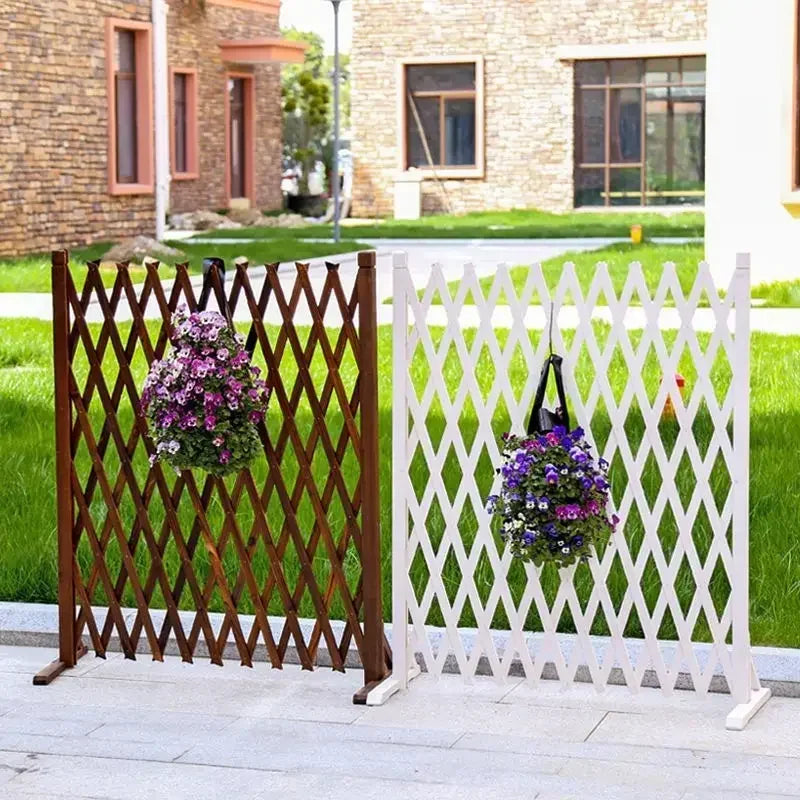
(214, 280)
(543, 420)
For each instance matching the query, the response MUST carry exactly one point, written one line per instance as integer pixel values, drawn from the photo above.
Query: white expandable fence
(666, 603)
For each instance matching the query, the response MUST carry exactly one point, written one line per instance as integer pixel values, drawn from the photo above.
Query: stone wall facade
(528, 89)
(54, 109)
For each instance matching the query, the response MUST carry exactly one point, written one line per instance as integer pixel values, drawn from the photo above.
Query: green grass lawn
(32, 273)
(27, 495)
(619, 256)
(780, 294)
(519, 223)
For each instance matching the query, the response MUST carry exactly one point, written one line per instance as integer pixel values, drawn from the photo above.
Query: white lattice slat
(455, 373)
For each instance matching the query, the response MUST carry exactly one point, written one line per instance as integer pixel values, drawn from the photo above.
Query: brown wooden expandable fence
(280, 551)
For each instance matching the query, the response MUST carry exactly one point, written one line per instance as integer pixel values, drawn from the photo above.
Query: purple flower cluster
(205, 400)
(554, 497)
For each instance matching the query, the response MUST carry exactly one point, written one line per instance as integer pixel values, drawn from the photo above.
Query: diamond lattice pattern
(657, 602)
(267, 548)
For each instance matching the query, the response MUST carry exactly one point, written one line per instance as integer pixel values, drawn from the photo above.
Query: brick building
(514, 103)
(78, 134)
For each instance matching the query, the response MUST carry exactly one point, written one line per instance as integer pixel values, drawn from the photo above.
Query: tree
(306, 105)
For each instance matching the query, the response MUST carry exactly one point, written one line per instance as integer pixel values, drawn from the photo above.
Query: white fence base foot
(744, 712)
(385, 689)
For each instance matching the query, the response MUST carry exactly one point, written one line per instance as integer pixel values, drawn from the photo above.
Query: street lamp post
(336, 203)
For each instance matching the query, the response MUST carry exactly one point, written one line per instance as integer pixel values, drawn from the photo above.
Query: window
(183, 135)
(442, 117)
(237, 137)
(240, 136)
(125, 88)
(130, 114)
(640, 131)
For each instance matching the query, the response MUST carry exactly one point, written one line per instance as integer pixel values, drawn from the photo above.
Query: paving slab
(322, 695)
(254, 731)
(11, 765)
(19, 659)
(480, 716)
(774, 731)
(664, 777)
(401, 762)
(490, 689)
(639, 754)
(65, 745)
(152, 726)
(134, 780)
(53, 721)
(615, 698)
(737, 795)
(135, 729)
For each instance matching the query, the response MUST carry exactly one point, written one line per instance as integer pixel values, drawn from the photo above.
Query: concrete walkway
(485, 255)
(132, 730)
(452, 255)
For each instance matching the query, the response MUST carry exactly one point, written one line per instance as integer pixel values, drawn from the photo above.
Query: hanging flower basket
(553, 502)
(205, 400)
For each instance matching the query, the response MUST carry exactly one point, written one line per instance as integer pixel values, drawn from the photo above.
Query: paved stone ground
(118, 729)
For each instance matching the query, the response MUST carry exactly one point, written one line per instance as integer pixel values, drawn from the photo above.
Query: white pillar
(161, 113)
(749, 139)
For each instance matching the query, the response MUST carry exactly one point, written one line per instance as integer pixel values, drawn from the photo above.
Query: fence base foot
(47, 675)
(744, 712)
(378, 692)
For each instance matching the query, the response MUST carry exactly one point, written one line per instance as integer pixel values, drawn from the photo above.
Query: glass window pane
(694, 69)
(589, 187)
(236, 87)
(238, 157)
(675, 149)
(428, 110)
(440, 77)
(628, 70)
(590, 126)
(126, 51)
(180, 88)
(180, 142)
(126, 129)
(687, 92)
(590, 72)
(656, 115)
(689, 165)
(459, 132)
(625, 125)
(626, 187)
(662, 70)
(179, 118)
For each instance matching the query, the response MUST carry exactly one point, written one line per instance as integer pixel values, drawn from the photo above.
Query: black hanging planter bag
(542, 420)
